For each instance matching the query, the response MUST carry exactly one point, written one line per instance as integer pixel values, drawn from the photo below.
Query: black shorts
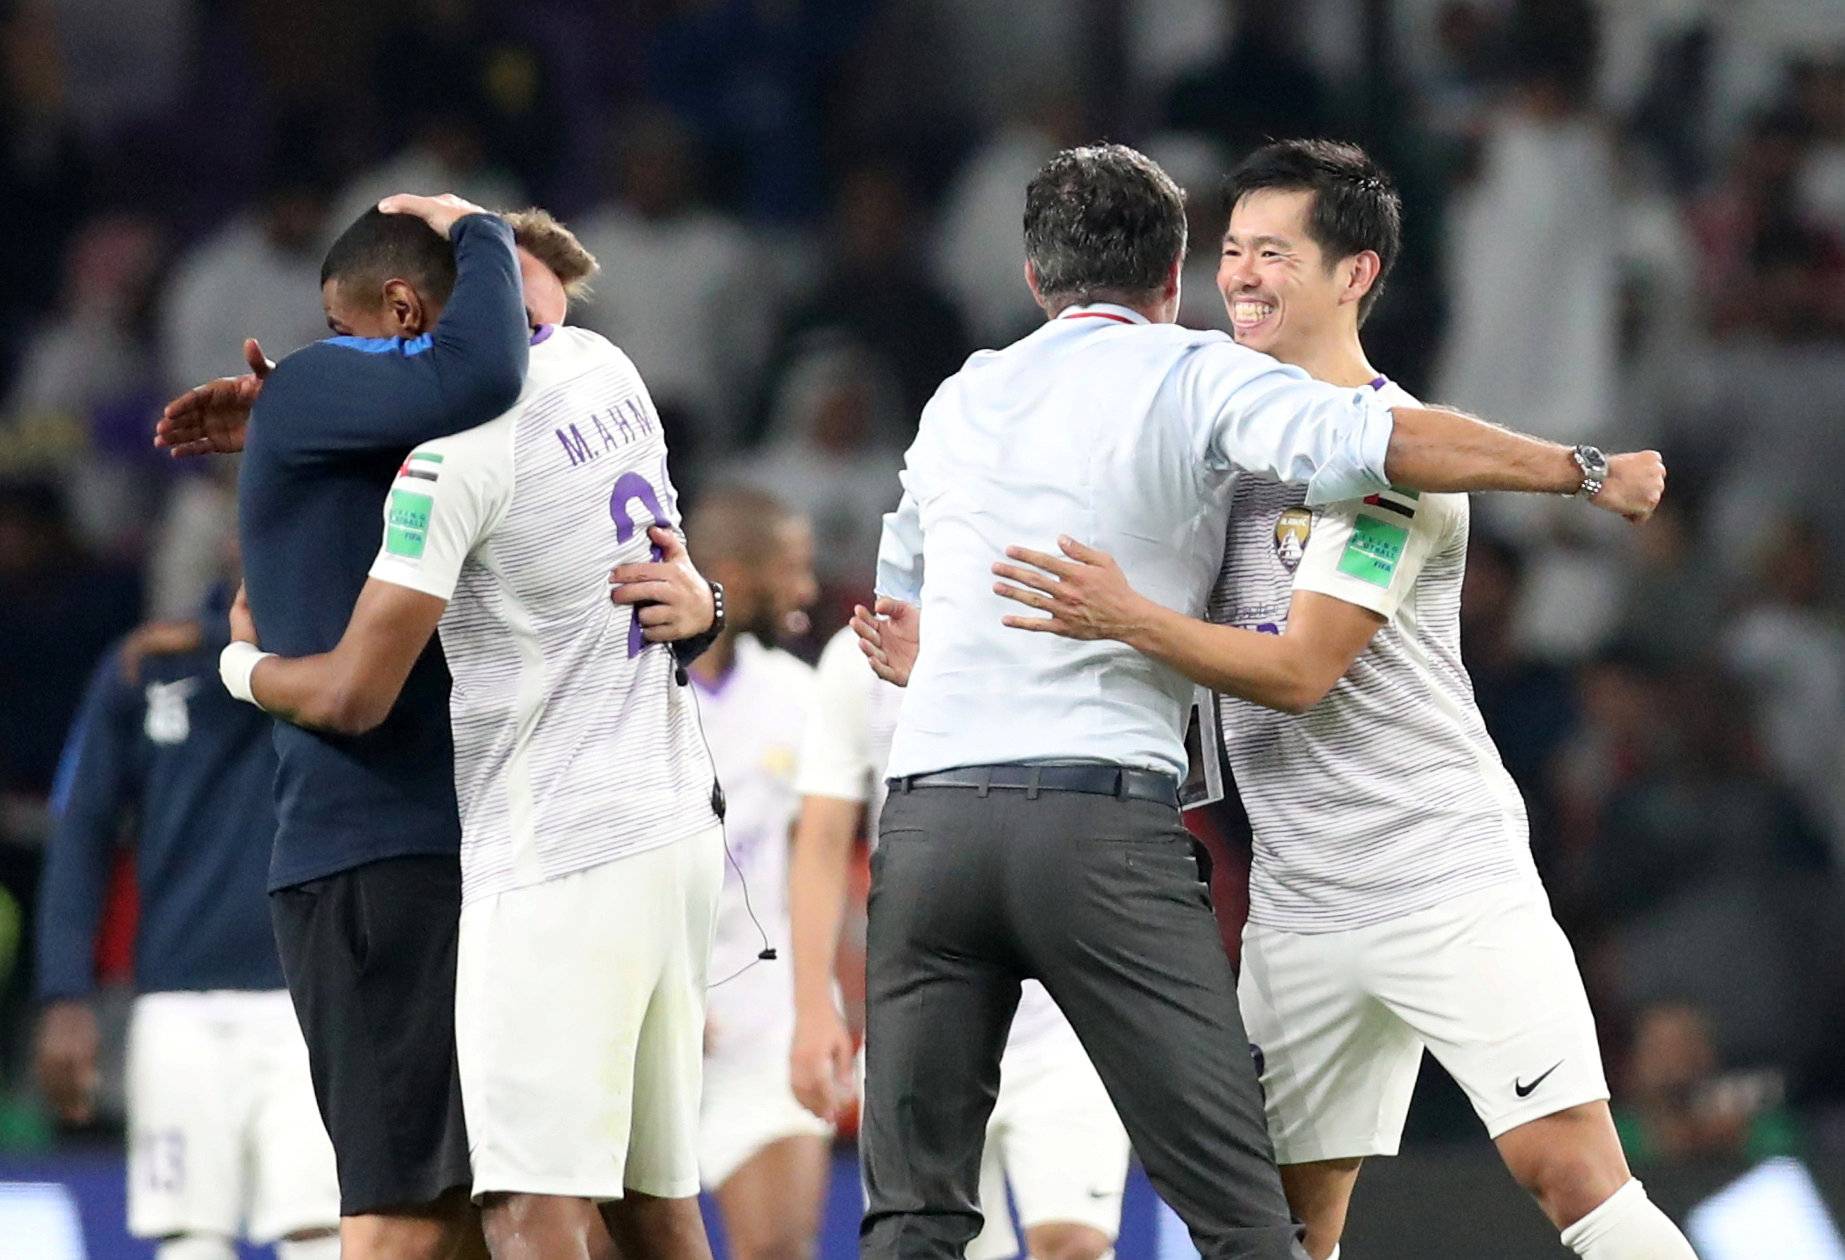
(369, 954)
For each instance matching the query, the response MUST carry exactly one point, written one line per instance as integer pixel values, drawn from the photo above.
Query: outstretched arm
(1084, 595)
(1437, 450)
(1344, 443)
(351, 689)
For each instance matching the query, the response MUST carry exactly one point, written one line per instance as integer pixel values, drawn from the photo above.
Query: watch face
(1593, 462)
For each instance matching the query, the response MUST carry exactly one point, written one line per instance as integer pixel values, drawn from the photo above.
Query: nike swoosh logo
(1523, 1090)
(1103, 1194)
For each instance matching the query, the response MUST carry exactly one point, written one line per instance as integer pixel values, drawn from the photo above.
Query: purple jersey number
(634, 488)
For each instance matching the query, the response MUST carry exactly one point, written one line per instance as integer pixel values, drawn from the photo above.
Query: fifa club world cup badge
(1291, 531)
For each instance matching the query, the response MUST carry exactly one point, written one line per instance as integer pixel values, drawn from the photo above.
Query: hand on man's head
(440, 212)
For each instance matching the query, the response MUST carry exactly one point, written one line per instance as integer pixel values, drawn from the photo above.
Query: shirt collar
(1105, 310)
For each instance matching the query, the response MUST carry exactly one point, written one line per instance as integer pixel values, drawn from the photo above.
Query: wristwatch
(1594, 466)
(685, 651)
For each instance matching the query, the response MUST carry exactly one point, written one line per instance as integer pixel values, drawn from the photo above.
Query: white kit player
(592, 853)
(1394, 905)
(763, 1156)
(1053, 1134)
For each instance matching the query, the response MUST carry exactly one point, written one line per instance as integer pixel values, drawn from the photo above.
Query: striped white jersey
(573, 744)
(1388, 796)
(843, 756)
(754, 717)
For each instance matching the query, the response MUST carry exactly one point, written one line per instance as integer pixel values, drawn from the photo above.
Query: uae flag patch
(1402, 502)
(427, 466)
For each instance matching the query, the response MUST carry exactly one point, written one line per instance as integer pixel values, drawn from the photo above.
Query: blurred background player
(223, 1138)
(761, 1154)
(1394, 904)
(1053, 1133)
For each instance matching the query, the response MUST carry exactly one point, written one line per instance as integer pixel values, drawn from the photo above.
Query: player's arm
(820, 1056)
(351, 689)
(98, 780)
(1360, 564)
(1345, 443)
(834, 776)
(447, 497)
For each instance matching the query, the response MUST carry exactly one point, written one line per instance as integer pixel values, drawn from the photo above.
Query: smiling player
(1394, 905)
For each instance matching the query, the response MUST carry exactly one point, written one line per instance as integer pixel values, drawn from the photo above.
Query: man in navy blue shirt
(431, 338)
(365, 866)
(223, 1137)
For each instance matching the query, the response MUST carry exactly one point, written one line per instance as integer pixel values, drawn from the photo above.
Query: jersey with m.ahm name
(574, 745)
(1388, 796)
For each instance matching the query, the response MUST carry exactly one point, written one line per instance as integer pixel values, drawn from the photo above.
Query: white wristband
(235, 665)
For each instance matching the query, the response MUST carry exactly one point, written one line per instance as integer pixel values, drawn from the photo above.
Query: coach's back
(1123, 434)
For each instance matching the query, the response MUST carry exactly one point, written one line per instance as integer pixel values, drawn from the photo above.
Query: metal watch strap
(1594, 468)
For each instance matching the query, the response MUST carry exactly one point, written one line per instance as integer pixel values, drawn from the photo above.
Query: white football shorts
(579, 1025)
(223, 1134)
(749, 1104)
(1338, 1021)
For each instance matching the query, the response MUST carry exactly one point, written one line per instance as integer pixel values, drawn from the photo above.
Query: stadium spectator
(446, 150)
(1680, 1106)
(977, 234)
(257, 276)
(1789, 650)
(821, 454)
(877, 293)
(1262, 84)
(682, 290)
(44, 170)
(1527, 702)
(477, 60)
(1711, 879)
(1532, 258)
(751, 78)
(59, 609)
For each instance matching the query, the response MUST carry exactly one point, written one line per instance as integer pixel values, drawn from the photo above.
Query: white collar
(1104, 310)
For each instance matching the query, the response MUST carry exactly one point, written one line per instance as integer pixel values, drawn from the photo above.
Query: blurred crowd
(1626, 224)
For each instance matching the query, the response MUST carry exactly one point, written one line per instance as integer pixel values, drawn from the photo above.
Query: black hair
(380, 247)
(1102, 222)
(1355, 202)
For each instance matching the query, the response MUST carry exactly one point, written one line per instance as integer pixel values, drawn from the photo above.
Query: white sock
(195, 1247)
(1334, 1253)
(1627, 1227)
(325, 1248)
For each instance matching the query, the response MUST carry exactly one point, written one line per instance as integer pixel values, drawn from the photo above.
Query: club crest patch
(1291, 532)
(167, 720)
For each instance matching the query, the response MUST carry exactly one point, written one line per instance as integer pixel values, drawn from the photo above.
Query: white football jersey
(754, 717)
(573, 743)
(1387, 796)
(843, 757)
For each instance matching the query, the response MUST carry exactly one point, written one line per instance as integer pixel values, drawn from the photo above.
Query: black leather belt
(1098, 780)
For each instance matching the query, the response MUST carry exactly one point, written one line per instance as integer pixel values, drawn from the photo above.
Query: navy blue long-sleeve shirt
(192, 771)
(333, 422)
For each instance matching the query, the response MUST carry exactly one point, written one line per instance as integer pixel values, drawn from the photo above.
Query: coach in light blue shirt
(1033, 827)
(1123, 432)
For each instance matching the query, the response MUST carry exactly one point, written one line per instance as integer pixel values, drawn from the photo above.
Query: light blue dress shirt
(1125, 435)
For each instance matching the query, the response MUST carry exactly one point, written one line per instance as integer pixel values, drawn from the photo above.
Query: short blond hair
(557, 247)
